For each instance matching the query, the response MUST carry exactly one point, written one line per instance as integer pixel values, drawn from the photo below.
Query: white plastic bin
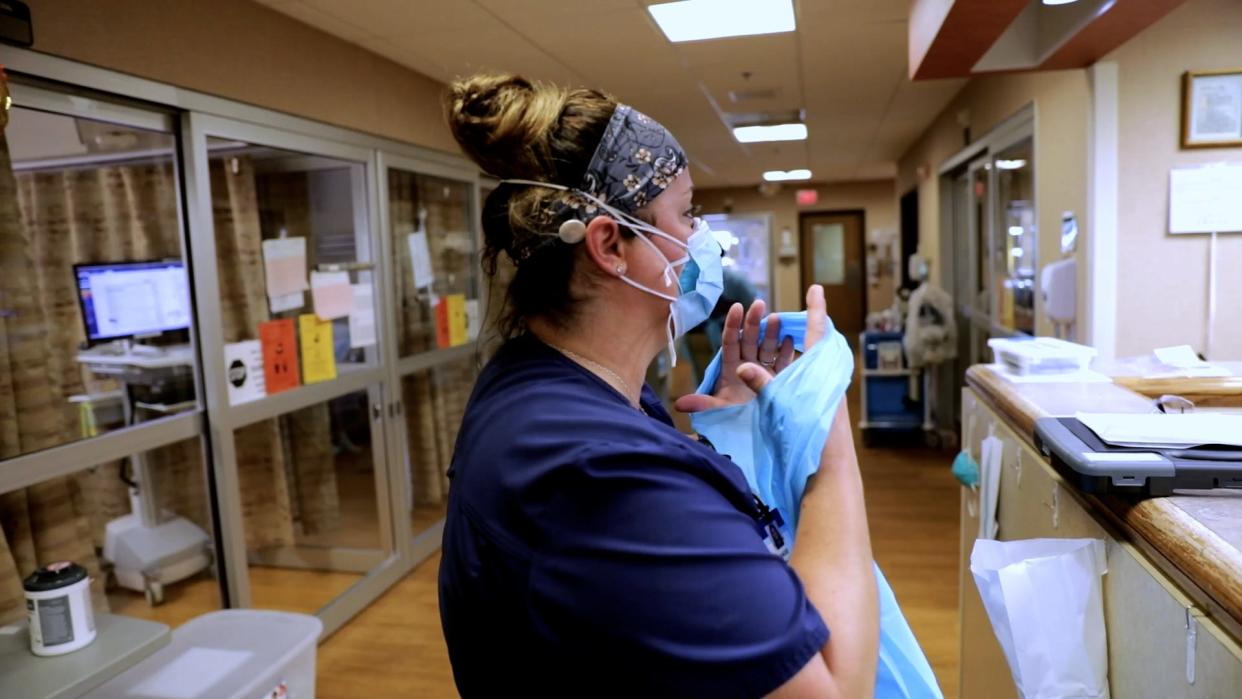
(1041, 355)
(230, 654)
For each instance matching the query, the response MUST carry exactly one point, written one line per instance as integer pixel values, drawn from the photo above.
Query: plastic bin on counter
(229, 654)
(1041, 355)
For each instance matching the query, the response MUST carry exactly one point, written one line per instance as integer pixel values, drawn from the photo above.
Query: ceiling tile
(914, 106)
(620, 51)
(812, 14)
(886, 170)
(408, 56)
(321, 20)
(544, 10)
(406, 19)
(846, 66)
(769, 54)
(494, 47)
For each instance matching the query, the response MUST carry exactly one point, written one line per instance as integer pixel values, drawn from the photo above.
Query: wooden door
(832, 255)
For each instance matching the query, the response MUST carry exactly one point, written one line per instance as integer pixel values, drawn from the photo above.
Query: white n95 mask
(700, 283)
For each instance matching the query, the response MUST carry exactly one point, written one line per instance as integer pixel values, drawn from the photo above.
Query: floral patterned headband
(635, 161)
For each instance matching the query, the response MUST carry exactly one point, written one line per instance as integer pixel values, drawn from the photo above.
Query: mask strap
(623, 218)
(647, 289)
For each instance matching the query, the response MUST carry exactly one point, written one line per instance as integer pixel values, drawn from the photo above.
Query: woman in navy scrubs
(590, 548)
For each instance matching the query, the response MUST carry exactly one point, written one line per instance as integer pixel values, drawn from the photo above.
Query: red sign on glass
(807, 197)
(280, 355)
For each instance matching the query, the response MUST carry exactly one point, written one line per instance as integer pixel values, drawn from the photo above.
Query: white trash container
(230, 654)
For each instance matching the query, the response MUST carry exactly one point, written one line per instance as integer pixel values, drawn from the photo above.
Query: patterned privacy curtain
(105, 213)
(435, 399)
(285, 465)
(45, 522)
(87, 213)
(53, 219)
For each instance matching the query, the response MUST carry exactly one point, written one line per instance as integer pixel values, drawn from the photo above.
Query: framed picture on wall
(1212, 108)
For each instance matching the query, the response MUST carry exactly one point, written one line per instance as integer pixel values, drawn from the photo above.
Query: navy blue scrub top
(592, 550)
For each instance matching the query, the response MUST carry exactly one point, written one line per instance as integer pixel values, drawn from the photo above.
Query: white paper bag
(1044, 599)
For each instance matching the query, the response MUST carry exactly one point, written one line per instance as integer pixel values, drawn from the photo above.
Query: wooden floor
(395, 647)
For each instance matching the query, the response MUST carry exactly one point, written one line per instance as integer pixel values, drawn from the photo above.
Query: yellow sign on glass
(318, 358)
(451, 326)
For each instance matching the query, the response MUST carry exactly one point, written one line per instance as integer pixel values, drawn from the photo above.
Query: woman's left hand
(740, 343)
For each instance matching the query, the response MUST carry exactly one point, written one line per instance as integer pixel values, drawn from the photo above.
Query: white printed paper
(288, 302)
(243, 367)
(992, 451)
(332, 294)
(420, 259)
(362, 317)
(284, 265)
(1181, 356)
(1216, 108)
(1205, 199)
(473, 320)
(1177, 430)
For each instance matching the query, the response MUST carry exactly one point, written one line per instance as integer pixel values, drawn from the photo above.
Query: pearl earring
(620, 269)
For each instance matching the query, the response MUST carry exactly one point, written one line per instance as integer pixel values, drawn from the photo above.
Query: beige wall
(877, 200)
(1162, 278)
(243, 51)
(1061, 100)
(1161, 293)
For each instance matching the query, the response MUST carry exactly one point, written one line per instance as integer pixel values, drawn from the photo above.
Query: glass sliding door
(101, 450)
(431, 231)
(994, 222)
(294, 355)
(1014, 237)
(980, 241)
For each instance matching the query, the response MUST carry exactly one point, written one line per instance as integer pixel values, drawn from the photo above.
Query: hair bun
(505, 123)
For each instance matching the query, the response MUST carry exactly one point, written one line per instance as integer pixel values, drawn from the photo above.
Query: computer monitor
(133, 299)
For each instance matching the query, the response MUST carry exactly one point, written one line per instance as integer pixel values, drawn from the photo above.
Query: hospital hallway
(395, 647)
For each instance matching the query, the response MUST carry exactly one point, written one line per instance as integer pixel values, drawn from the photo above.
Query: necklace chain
(595, 365)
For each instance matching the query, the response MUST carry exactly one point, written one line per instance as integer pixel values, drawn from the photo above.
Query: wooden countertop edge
(1222, 386)
(1203, 392)
(1198, 554)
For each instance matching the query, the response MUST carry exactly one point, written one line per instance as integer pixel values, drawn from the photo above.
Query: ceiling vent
(749, 95)
(735, 119)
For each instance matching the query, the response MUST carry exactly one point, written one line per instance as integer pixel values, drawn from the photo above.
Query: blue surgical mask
(700, 283)
(698, 286)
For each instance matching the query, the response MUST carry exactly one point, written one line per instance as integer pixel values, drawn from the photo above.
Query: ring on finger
(769, 363)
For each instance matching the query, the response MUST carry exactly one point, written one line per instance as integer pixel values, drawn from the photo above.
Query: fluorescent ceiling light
(695, 20)
(773, 132)
(1010, 164)
(1016, 231)
(786, 175)
(1058, 2)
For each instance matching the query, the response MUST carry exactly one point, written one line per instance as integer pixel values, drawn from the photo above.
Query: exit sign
(807, 197)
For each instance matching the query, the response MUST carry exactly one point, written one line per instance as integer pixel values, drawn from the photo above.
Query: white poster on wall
(1206, 199)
